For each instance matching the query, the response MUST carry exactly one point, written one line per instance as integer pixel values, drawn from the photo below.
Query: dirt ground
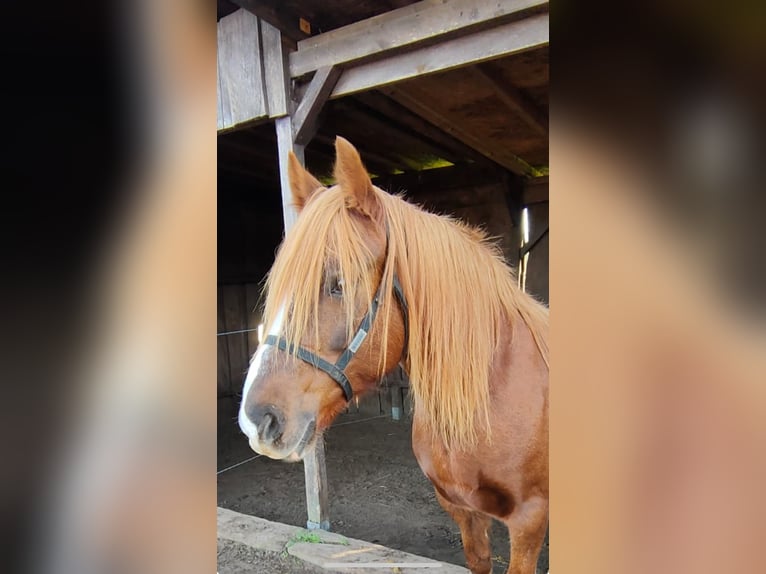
(377, 491)
(236, 558)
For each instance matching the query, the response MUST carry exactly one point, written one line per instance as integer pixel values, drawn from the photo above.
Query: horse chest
(463, 483)
(480, 494)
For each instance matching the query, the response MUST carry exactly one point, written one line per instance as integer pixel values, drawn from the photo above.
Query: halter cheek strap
(315, 361)
(337, 370)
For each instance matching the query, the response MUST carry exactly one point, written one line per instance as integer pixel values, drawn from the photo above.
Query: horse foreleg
(474, 531)
(527, 525)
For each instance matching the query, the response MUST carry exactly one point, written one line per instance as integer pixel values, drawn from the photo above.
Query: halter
(337, 370)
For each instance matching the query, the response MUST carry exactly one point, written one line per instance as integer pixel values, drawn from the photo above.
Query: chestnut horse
(365, 280)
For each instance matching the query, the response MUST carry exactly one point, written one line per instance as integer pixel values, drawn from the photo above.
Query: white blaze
(256, 364)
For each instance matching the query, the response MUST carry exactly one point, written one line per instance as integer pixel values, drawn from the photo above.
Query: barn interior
(470, 141)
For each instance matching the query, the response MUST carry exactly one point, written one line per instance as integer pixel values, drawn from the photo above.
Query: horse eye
(336, 287)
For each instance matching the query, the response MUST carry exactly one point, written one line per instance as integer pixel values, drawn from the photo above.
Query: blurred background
(109, 287)
(656, 287)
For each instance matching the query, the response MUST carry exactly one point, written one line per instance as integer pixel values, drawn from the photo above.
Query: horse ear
(352, 176)
(302, 184)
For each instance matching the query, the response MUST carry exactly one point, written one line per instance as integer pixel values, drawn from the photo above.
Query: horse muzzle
(271, 434)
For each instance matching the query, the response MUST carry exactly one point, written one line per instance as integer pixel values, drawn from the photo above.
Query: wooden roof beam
(500, 156)
(404, 119)
(412, 26)
(516, 101)
(504, 40)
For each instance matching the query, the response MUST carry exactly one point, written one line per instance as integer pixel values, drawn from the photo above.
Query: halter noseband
(337, 370)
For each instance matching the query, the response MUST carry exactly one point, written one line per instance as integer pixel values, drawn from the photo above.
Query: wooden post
(317, 501)
(407, 402)
(299, 121)
(396, 403)
(285, 144)
(314, 469)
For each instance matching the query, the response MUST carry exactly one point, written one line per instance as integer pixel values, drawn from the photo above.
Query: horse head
(333, 329)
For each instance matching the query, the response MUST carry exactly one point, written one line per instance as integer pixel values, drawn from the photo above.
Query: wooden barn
(447, 101)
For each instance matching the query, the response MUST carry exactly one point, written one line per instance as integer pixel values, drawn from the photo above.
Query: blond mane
(458, 287)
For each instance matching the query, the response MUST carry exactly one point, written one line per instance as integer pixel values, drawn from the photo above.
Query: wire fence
(236, 332)
(260, 455)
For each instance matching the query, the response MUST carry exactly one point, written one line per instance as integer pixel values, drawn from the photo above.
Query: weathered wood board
(241, 93)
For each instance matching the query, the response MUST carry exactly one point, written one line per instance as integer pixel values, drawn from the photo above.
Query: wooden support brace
(305, 117)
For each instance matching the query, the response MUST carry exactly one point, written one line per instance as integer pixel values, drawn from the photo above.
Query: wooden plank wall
(236, 312)
(389, 397)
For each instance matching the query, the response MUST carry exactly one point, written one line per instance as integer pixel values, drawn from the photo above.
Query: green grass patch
(311, 537)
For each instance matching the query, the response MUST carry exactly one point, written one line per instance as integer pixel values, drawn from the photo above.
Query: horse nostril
(268, 426)
(268, 423)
